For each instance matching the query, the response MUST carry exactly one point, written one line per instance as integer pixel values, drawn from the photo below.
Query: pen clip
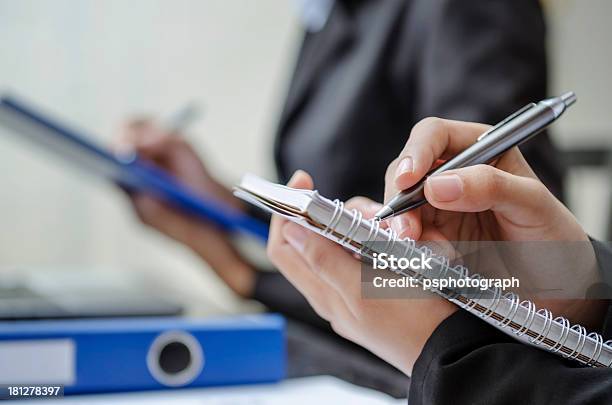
(506, 120)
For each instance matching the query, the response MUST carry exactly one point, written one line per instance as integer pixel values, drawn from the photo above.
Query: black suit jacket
(378, 67)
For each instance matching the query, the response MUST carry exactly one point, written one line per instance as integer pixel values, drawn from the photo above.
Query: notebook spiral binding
(474, 305)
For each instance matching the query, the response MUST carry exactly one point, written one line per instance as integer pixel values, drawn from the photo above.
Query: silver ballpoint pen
(512, 131)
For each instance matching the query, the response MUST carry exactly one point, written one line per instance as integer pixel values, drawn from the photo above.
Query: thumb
(301, 179)
(524, 201)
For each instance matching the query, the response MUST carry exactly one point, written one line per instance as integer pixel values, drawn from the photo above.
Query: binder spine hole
(175, 358)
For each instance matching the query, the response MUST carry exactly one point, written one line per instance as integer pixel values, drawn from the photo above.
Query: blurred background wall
(98, 61)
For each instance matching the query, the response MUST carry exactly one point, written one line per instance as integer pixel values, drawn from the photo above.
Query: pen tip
(384, 213)
(568, 98)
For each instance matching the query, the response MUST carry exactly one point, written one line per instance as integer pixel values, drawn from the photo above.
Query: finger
(432, 139)
(148, 140)
(158, 215)
(276, 241)
(363, 204)
(161, 148)
(521, 200)
(322, 297)
(327, 260)
(437, 242)
(131, 133)
(408, 225)
(302, 180)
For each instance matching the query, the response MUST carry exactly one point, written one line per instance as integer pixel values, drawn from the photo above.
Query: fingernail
(373, 208)
(406, 165)
(446, 187)
(398, 224)
(295, 175)
(401, 226)
(295, 235)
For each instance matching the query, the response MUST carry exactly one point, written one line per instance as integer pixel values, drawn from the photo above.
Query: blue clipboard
(131, 172)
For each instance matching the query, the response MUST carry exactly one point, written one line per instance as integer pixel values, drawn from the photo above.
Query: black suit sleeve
(478, 60)
(467, 361)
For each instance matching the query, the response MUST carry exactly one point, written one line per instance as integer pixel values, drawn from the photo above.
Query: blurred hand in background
(171, 152)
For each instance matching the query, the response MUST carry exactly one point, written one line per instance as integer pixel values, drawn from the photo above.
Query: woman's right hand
(503, 202)
(173, 154)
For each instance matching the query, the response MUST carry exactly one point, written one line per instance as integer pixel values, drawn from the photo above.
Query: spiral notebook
(505, 311)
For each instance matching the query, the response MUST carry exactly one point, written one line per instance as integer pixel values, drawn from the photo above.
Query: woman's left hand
(330, 278)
